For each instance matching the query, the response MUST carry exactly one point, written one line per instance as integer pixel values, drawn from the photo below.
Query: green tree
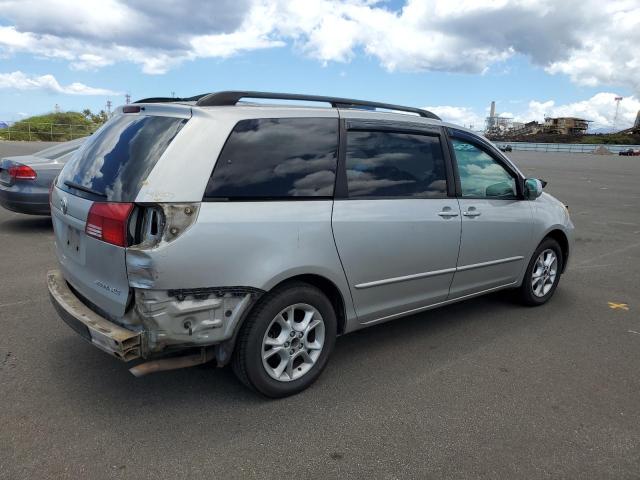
(56, 126)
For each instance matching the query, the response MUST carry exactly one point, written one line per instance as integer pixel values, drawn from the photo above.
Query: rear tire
(286, 340)
(543, 273)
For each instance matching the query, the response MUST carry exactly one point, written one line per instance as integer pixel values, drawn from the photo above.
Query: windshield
(118, 158)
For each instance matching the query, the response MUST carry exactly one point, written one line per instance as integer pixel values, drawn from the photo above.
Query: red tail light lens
(108, 222)
(22, 172)
(131, 109)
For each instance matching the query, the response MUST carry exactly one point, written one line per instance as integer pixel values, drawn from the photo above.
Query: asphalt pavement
(481, 389)
(22, 148)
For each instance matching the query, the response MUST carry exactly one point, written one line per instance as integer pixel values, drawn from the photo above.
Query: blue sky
(424, 53)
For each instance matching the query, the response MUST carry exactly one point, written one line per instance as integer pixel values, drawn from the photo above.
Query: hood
(548, 198)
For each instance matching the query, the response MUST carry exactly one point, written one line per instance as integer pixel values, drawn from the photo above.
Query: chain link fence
(51, 132)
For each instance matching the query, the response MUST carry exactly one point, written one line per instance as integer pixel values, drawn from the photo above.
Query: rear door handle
(448, 214)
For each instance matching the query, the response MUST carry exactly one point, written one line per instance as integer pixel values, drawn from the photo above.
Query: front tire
(286, 340)
(543, 273)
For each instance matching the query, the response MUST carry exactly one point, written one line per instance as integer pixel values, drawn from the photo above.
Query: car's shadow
(26, 224)
(427, 340)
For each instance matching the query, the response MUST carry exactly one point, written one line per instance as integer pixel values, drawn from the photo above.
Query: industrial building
(529, 128)
(565, 125)
(496, 125)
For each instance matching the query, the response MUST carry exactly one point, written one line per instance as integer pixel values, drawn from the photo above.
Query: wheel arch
(327, 287)
(559, 236)
(341, 301)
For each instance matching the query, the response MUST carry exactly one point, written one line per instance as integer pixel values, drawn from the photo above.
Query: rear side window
(387, 164)
(118, 158)
(273, 158)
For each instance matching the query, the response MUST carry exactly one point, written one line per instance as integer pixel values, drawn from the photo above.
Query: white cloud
(591, 41)
(409, 40)
(609, 52)
(464, 116)
(21, 81)
(600, 109)
(253, 34)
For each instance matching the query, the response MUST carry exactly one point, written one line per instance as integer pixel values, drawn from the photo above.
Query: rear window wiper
(84, 189)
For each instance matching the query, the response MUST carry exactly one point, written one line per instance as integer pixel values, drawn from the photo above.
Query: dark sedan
(629, 153)
(25, 180)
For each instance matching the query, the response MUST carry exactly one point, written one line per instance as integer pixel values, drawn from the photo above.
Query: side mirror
(532, 188)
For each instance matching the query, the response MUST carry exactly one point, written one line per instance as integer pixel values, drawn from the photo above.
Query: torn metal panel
(141, 270)
(195, 320)
(199, 293)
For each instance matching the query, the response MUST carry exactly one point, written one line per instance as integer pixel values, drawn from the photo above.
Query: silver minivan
(212, 229)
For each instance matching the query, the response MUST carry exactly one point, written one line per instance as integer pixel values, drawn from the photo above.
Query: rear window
(275, 158)
(118, 158)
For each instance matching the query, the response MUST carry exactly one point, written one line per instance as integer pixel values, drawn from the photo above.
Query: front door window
(481, 176)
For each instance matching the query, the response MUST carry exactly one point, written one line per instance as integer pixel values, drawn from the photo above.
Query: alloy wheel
(293, 342)
(544, 273)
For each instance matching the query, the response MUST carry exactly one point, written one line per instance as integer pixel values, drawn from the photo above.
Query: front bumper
(107, 336)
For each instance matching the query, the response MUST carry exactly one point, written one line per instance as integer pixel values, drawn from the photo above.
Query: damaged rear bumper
(107, 336)
(162, 322)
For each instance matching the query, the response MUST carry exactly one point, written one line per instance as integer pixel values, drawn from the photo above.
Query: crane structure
(615, 117)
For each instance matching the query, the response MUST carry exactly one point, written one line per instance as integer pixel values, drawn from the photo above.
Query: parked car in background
(25, 180)
(630, 152)
(506, 148)
(207, 229)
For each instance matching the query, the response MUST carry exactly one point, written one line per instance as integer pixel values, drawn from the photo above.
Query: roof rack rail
(170, 99)
(233, 97)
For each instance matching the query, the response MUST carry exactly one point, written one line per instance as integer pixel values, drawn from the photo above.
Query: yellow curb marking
(621, 306)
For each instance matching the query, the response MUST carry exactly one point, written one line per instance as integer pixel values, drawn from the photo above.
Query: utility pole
(108, 108)
(127, 99)
(173, 94)
(615, 117)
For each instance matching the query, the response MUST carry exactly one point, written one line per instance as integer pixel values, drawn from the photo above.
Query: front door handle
(471, 212)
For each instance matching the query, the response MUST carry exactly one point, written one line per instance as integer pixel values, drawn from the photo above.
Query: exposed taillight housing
(22, 172)
(109, 221)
